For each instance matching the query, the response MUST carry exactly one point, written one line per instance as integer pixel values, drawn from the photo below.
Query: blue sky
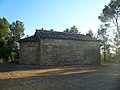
(54, 14)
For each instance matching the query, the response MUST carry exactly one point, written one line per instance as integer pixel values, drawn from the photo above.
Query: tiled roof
(57, 35)
(31, 38)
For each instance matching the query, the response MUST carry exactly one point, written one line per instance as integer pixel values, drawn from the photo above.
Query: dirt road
(104, 77)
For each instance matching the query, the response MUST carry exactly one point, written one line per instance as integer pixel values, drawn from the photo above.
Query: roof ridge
(41, 30)
(57, 35)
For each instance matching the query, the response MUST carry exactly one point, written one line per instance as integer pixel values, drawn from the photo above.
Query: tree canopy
(103, 36)
(4, 28)
(17, 29)
(90, 33)
(73, 29)
(9, 34)
(111, 14)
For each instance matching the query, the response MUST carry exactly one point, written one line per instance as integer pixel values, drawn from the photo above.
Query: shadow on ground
(9, 71)
(46, 82)
(6, 67)
(104, 77)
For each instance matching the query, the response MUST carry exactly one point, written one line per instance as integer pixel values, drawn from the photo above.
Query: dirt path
(105, 77)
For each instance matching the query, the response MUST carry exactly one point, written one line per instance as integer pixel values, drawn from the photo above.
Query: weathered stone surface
(28, 53)
(68, 52)
(47, 48)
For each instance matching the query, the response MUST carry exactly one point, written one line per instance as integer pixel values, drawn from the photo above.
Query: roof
(39, 34)
(31, 38)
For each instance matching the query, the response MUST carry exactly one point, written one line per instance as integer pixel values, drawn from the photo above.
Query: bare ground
(25, 77)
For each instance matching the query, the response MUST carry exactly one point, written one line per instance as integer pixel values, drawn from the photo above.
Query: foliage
(73, 29)
(4, 31)
(108, 57)
(90, 33)
(51, 30)
(4, 28)
(102, 35)
(111, 13)
(116, 42)
(9, 34)
(17, 29)
(116, 57)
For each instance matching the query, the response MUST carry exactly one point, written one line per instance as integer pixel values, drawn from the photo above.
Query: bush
(108, 57)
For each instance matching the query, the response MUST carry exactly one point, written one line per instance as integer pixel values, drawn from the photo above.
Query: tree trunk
(11, 58)
(104, 56)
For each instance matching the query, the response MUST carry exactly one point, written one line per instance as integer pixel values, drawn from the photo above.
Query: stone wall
(29, 53)
(68, 52)
(59, 52)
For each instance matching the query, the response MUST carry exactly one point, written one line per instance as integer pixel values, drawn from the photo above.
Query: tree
(9, 34)
(4, 28)
(67, 30)
(102, 35)
(111, 13)
(73, 29)
(4, 32)
(116, 43)
(116, 47)
(51, 30)
(17, 29)
(90, 33)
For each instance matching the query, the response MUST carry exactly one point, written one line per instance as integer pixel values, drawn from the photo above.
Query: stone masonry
(45, 48)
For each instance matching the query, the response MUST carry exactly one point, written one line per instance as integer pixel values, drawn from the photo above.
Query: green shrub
(108, 57)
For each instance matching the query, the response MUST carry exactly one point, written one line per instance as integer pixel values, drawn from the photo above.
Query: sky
(54, 14)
